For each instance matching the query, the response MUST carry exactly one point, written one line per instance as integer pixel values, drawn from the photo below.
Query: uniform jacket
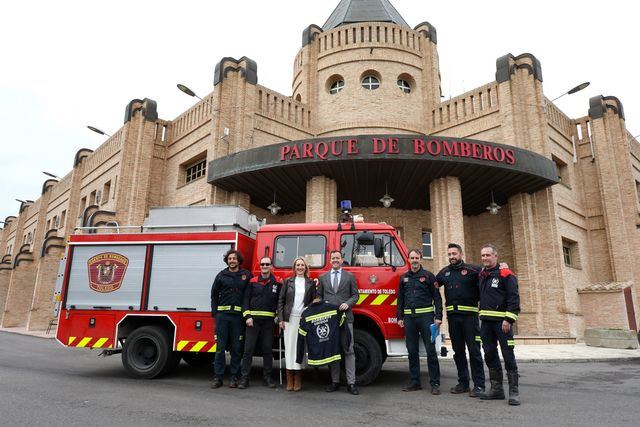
(321, 326)
(287, 296)
(499, 298)
(418, 295)
(227, 291)
(347, 291)
(261, 297)
(461, 291)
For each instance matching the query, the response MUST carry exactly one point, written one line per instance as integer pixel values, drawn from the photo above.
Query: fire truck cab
(144, 291)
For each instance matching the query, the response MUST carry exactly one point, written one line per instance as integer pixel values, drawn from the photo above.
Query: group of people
(241, 303)
(472, 293)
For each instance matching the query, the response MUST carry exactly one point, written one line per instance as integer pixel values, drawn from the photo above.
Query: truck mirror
(365, 238)
(378, 247)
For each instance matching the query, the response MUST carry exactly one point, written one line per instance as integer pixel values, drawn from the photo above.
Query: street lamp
(52, 175)
(573, 90)
(186, 90)
(96, 130)
(21, 201)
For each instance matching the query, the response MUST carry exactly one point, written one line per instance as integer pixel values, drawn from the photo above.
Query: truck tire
(147, 353)
(369, 357)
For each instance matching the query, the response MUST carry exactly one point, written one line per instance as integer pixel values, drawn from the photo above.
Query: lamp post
(186, 90)
(96, 130)
(573, 90)
(52, 175)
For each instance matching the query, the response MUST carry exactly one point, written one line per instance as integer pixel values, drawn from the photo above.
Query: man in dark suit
(339, 287)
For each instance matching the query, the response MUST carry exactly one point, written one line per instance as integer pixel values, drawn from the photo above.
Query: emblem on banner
(106, 271)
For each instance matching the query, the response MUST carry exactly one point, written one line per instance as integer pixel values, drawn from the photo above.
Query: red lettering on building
(487, 153)
(352, 147)
(393, 146)
(379, 145)
(334, 149)
(307, 150)
(433, 147)
(322, 149)
(498, 153)
(418, 146)
(465, 149)
(477, 150)
(450, 148)
(510, 157)
(284, 151)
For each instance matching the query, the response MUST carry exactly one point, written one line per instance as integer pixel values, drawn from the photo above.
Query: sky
(68, 64)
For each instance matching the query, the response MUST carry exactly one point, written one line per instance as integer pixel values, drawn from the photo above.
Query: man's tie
(336, 283)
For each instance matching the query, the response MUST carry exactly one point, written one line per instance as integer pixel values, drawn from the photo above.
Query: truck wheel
(197, 359)
(368, 357)
(147, 353)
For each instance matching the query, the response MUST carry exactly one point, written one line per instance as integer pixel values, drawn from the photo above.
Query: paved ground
(44, 383)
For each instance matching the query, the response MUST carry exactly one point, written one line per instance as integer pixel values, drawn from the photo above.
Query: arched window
(404, 86)
(336, 87)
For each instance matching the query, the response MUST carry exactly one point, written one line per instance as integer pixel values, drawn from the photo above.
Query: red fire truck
(144, 291)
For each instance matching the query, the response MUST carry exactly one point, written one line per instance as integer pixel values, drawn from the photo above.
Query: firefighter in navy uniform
(499, 308)
(259, 311)
(419, 306)
(460, 282)
(227, 295)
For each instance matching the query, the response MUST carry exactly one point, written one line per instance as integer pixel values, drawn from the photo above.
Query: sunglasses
(265, 264)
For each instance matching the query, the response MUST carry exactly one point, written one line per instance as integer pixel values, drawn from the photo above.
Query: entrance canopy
(365, 166)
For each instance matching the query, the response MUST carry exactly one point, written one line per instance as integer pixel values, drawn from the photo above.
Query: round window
(370, 82)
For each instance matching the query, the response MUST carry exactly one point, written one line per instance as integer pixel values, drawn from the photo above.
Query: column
(447, 222)
(322, 200)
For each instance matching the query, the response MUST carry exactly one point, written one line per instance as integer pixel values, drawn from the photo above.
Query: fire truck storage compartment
(118, 288)
(182, 275)
(91, 330)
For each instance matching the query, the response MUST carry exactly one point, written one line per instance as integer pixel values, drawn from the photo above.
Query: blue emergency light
(345, 206)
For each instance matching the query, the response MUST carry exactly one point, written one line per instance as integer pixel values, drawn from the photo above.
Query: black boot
(244, 382)
(496, 392)
(514, 396)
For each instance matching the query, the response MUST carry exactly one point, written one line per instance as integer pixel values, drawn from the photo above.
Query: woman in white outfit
(290, 306)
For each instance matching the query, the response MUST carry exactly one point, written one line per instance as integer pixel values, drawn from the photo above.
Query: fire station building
(365, 121)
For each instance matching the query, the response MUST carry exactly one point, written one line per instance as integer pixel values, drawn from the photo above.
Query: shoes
(290, 380)
(352, 389)
(297, 380)
(459, 388)
(268, 382)
(233, 383)
(216, 383)
(332, 387)
(435, 390)
(497, 390)
(412, 387)
(514, 394)
(476, 392)
(244, 383)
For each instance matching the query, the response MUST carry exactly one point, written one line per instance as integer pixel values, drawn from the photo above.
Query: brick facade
(594, 213)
